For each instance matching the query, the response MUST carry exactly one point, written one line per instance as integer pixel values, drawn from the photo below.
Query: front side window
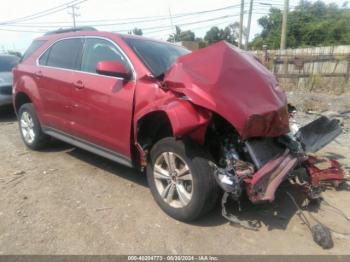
(97, 50)
(63, 54)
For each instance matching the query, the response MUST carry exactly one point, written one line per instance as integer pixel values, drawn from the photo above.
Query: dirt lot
(67, 201)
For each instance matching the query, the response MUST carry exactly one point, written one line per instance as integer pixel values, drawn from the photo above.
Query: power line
(149, 19)
(144, 19)
(21, 31)
(159, 28)
(151, 34)
(41, 13)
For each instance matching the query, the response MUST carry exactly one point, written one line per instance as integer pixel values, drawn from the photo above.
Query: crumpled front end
(249, 136)
(268, 162)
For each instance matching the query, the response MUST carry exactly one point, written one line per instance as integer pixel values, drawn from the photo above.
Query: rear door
(56, 72)
(102, 113)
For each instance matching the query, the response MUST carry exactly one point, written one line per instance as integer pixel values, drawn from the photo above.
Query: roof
(67, 30)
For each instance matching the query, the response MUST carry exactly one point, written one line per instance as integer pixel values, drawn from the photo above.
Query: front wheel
(181, 180)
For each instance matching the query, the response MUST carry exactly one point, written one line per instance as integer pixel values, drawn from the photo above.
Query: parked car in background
(7, 62)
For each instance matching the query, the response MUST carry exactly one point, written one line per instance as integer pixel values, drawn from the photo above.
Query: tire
(30, 128)
(201, 193)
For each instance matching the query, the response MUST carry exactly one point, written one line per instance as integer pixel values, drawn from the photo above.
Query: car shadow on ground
(276, 215)
(272, 216)
(7, 114)
(109, 166)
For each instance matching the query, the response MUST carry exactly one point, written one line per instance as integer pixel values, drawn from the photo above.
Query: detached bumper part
(319, 133)
(325, 172)
(267, 179)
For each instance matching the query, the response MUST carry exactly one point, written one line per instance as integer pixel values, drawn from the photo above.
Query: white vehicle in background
(7, 62)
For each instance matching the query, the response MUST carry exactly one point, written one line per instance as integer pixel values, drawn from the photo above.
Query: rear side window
(35, 45)
(64, 54)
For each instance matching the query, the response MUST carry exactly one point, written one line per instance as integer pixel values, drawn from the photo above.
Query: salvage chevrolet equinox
(198, 123)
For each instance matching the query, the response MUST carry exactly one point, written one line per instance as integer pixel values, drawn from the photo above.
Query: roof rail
(67, 30)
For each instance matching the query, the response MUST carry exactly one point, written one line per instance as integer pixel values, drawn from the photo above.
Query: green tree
(201, 42)
(309, 24)
(136, 31)
(180, 35)
(215, 34)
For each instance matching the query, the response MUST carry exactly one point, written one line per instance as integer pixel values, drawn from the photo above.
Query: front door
(102, 105)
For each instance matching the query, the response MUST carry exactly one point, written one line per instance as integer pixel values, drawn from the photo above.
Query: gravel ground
(67, 201)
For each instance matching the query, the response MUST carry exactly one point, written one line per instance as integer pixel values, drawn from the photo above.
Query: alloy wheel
(173, 179)
(27, 127)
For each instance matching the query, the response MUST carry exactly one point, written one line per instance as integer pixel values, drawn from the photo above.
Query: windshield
(157, 56)
(8, 62)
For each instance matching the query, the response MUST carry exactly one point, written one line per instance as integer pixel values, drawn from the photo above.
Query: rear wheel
(181, 179)
(30, 128)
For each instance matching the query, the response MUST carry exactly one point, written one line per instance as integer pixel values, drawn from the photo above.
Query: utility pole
(284, 25)
(74, 14)
(171, 24)
(241, 24)
(249, 23)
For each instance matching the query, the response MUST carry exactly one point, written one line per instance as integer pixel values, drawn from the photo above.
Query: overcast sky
(116, 12)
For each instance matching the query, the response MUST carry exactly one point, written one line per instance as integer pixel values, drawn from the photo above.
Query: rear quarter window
(35, 45)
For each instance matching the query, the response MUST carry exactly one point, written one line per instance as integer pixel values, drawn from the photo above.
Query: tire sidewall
(200, 171)
(37, 127)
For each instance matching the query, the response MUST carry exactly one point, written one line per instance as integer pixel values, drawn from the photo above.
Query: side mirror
(113, 68)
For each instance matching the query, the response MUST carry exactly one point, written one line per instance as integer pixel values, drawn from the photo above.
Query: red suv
(194, 121)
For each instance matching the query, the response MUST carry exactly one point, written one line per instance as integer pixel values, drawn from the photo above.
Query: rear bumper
(5, 100)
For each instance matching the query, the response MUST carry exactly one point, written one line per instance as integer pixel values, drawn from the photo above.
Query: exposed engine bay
(258, 166)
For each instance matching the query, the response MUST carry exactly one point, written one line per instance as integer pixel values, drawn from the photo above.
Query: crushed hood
(234, 84)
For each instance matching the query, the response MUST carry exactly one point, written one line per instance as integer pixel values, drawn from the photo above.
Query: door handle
(38, 74)
(79, 84)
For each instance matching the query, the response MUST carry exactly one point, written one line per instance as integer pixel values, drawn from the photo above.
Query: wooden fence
(308, 62)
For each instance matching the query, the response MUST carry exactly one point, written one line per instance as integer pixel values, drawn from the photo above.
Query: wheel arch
(177, 119)
(20, 99)
(153, 126)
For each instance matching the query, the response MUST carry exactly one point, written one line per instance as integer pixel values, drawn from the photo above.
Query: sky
(153, 16)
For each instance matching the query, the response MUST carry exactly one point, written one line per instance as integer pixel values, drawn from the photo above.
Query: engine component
(229, 182)
(230, 176)
(262, 150)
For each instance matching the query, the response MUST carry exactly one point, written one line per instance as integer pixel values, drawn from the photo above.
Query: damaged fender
(185, 120)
